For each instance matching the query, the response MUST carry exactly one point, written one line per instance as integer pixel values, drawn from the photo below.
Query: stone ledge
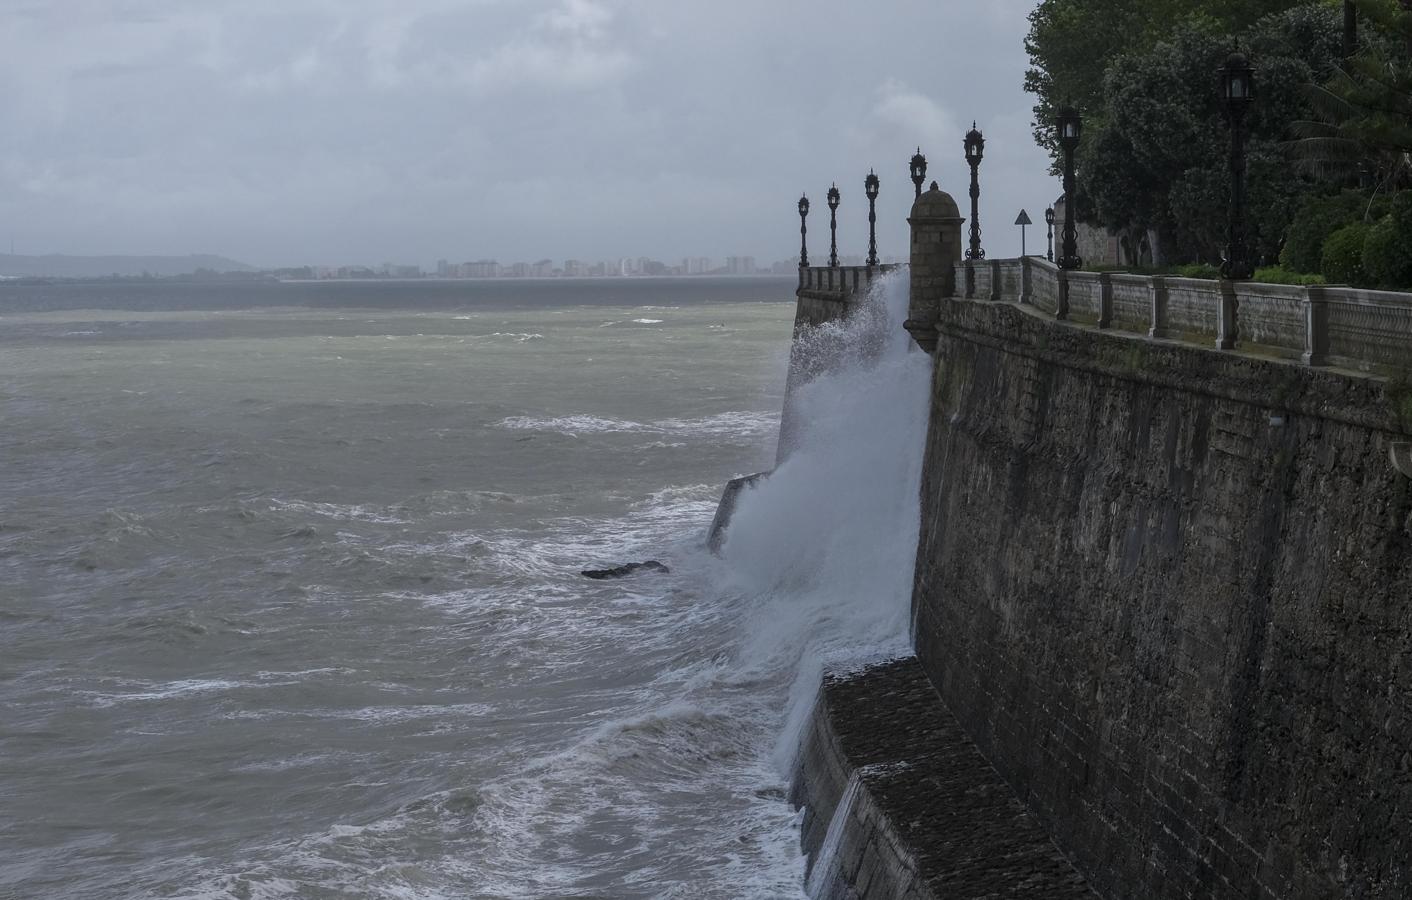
(1339, 395)
(929, 818)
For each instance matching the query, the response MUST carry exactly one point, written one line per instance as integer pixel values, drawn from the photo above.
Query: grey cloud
(290, 131)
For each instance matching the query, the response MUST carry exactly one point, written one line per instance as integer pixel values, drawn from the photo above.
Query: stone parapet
(1322, 325)
(826, 293)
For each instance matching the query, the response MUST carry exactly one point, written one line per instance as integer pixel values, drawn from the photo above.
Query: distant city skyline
(624, 267)
(204, 265)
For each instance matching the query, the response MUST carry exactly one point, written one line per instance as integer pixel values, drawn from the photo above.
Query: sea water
(290, 602)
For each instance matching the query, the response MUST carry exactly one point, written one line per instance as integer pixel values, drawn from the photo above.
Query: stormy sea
(290, 591)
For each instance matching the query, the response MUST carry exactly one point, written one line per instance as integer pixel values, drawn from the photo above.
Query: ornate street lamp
(975, 149)
(1238, 81)
(833, 226)
(1049, 233)
(870, 187)
(803, 232)
(919, 171)
(1070, 126)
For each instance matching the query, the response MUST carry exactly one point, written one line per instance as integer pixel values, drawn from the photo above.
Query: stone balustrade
(1321, 325)
(826, 292)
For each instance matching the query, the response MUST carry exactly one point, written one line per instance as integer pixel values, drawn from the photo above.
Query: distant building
(1097, 246)
(485, 268)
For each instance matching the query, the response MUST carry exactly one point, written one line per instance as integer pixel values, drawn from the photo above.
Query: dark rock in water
(726, 509)
(651, 565)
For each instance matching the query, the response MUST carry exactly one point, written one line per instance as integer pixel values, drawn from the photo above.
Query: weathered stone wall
(1168, 592)
(900, 805)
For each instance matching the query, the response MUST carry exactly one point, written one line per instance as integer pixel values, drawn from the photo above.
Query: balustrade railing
(841, 283)
(1323, 325)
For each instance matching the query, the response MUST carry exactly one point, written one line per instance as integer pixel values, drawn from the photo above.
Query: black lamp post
(1070, 126)
(975, 149)
(919, 171)
(1238, 78)
(1049, 233)
(833, 226)
(870, 186)
(803, 232)
(1350, 29)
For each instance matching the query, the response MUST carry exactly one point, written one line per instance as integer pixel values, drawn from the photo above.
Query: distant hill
(57, 266)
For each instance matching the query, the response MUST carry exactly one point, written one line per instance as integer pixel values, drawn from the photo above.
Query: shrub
(1198, 270)
(1342, 259)
(1318, 218)
(1387, 252)
(1281, 275)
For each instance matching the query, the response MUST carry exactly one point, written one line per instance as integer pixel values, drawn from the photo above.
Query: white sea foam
(166, 691)
(337, 511)
(737, 423)
(648, 321)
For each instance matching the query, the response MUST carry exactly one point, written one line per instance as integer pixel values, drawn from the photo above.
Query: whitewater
(293, 602)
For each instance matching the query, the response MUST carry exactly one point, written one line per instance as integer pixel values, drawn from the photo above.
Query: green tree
(1342, 261)
(1387, 251)
(1360, 129)
(1317, 217)
(1072, 43)
(1155, 155)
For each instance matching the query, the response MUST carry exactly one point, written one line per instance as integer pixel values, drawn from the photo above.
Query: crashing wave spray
(821, 869)
(829, 540)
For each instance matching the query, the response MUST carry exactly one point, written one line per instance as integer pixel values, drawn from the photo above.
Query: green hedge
(1281, 275)
(1387, 252)
(1319, 218)
(1342, 259)
(1198, 270)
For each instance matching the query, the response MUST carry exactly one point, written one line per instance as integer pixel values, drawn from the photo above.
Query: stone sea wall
(1162, 601)
(899, 804)
(1167, 590)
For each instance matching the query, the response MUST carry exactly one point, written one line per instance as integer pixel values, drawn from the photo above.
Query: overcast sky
(283, 132)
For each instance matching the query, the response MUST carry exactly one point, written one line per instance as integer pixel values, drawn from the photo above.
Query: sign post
(1022, 220)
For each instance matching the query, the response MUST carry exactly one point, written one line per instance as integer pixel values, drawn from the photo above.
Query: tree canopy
(1361, 123)
(1071, 43)
(1155, 149)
